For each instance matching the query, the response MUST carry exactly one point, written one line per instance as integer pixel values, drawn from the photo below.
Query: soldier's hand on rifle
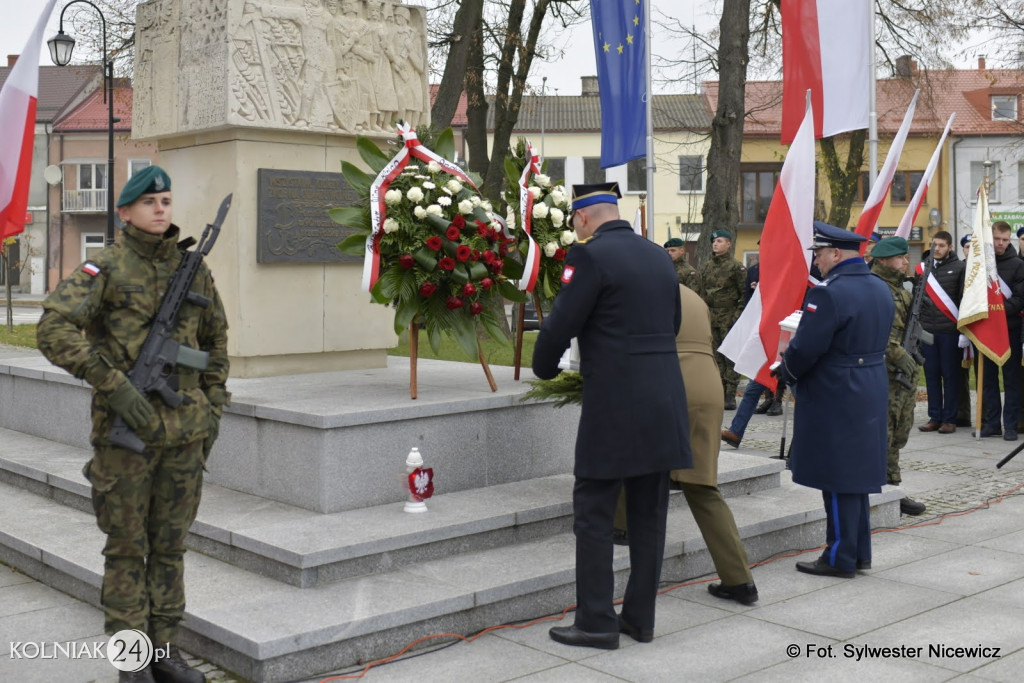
(907, 366)
(127, 402)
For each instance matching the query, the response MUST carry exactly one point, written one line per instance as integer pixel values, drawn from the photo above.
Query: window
(757, 184)
(691, 174)
(978, 175)
(1004, 107)
(136, 165)
(92, 243)
(555, 169)
(904, 185)
(636, 175)
(863, 188)
(85, 187)
(592, 171)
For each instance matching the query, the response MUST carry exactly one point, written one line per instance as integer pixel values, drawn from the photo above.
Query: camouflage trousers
(145, 505)
(730, 378)
(901, 419)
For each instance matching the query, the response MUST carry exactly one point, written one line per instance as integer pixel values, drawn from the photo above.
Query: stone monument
(264, 100)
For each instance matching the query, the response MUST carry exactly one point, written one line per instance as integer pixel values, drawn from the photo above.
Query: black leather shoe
(143, 676)
(731, 438)
(989, 431)
(745, 594)
(620, 537)
(1009, 435)
(909, 506)
(769, 398)
(640, 635)
(821, 568)
(174, 669)
(863, 564)
(570, 635)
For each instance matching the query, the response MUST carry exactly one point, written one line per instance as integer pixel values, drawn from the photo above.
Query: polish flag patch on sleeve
(812, 307)
(91, 268)
(567, 274)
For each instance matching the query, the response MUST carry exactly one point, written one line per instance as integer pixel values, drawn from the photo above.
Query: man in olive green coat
(93, 326)
(724, 283)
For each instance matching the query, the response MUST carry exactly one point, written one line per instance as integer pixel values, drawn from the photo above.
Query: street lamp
(61, 46)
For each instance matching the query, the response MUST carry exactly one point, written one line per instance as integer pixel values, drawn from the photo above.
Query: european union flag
(621, 46)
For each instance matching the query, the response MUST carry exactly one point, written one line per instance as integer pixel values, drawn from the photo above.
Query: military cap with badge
(674, 242)
(595, 193)
(149, 180)
(890, 246)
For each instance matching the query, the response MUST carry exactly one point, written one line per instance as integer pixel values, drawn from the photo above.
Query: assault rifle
(160, 354)
(914, 335)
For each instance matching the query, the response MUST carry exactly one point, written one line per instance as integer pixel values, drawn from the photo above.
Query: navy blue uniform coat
(837, 359)
(622, 302)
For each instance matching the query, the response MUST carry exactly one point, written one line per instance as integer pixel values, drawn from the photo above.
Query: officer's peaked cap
(675, 242)
(149, 180)
(830, 237)
(890, 246)
(595, 193)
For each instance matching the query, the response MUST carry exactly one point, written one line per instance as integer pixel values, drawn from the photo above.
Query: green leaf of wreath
(512, 172)
(353, 244)
(464, 332)
(357, 217)
(371, 154)
(406, 311)
(445, 144)
(359, 180)
(510, 292)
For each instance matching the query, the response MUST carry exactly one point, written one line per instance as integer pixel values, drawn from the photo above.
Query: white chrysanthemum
(550, 248)
(454, 185)
(567, 238)
(392, 197)
(465, 207)
(447, 191)
(420, 176)
(427, 185)
(542, 180)
(540, 210)
(434, 167)
(557, 217)
(419, 212)
(390, 225)
(444, 201)
(414, 194)
(535, 191)
(435, 210)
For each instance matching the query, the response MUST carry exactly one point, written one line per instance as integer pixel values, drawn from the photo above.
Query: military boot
(174, 669)
(769, 397)
(775, 408)
(730, 399)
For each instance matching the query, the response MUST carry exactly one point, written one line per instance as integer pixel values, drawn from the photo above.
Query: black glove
(127, 402)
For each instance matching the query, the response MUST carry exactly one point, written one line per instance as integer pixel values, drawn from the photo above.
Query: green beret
(675, 242)
(721, 233)
(890, 246)
(149, 180)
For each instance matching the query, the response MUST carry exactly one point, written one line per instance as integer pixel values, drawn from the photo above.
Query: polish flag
(910, 215)
(18, 129)
(982, 317)
(826, 47)
(868, 220)
(785, 260)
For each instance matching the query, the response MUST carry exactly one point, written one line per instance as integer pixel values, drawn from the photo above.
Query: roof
(459, 120)
(964, 91)
(93, 113)
(578, 113)
(60, 85)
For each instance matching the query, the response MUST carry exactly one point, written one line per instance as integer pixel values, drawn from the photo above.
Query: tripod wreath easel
(414, 352)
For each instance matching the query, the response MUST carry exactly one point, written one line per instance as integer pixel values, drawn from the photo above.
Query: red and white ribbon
(378, 210)
(939, 296)
(531, 267)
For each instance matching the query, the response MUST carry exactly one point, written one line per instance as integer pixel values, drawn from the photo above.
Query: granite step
(305, 548)
(268, 630)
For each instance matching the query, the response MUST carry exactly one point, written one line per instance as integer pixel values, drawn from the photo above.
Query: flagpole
(872, 104)
(649, 116)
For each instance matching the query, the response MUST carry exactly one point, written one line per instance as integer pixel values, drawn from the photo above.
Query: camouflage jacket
(903, 299)
(96, 321)
(724, 283)
(687, 274)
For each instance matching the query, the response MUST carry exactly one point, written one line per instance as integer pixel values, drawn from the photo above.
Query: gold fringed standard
(414, 351)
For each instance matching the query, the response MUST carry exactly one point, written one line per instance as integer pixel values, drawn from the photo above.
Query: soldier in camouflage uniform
(686, 273)
(891, 257)
(144, 503)
(724, 283)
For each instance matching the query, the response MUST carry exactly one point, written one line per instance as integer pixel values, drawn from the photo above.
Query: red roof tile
(459, 120)
(59, 85)
(92, 114)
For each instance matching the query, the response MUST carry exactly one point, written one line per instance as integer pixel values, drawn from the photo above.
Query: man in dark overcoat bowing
(836, 366)
(620, 298)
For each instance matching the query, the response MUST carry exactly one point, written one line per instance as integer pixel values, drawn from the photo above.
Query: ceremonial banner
(621, 49)
(982, 317)
(17, 130)
(785, 262)
(910, 215)
(825, 49)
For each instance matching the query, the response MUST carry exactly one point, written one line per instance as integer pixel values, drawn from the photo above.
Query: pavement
(943, 601)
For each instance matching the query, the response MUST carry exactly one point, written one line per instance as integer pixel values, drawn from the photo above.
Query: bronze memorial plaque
(291, 216)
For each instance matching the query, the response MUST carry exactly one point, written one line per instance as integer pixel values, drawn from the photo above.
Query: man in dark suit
(836, 366)
(620, 298)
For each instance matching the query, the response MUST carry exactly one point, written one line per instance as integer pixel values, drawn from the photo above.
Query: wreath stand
(414, 352)
(520, 317)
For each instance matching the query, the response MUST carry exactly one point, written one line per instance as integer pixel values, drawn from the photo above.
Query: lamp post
(61, 46)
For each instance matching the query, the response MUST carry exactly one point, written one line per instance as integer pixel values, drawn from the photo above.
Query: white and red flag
(982, 317)
(910, 215)
(868, 220)
(18, 129)
(826, 49)
(785, 262)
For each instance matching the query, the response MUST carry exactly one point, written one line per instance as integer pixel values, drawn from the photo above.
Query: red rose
(462, 252)
(459, 222)
(427, 289)
(452, 233)
(446, 263)
(483, 230)
(497, 265)
(406, 261)
(503, 249)
(487, 283)
(476, 255)
(476, 308)
(559, 255)
(468, 289)
(434, 243)
(452, 303)
(488, 257)
(493, 235)
(481, 225)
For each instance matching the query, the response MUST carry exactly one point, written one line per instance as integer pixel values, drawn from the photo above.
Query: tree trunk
(842, 179)
(721, 200)
(476, 104)
(466, 25)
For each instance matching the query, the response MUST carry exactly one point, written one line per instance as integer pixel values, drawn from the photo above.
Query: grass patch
(494, 353)
(23, 335)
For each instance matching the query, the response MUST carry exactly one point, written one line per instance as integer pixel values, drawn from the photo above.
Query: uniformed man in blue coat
(620, 298)
(836, 366)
